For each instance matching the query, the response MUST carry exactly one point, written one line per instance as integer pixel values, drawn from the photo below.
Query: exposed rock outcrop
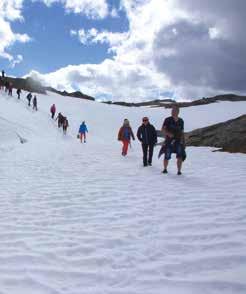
(27, 84)
(228, 136)
(76, 94)
(204, 101)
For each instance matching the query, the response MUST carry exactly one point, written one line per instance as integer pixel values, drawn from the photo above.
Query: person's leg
(125, 147)
(84, 137)
(81, 137)
(151, 150)
(167, 157)
(179, 153)
(145, 151)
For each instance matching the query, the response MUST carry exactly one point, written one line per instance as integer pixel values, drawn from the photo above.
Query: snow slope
(78, 218)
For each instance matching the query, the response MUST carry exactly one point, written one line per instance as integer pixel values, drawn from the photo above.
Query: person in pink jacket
(53, 111)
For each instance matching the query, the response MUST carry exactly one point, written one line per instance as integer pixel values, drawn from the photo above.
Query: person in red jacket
(125, 134)
(53, 111)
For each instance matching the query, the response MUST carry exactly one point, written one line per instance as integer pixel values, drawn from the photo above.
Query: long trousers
(125, 147)
(147, 153)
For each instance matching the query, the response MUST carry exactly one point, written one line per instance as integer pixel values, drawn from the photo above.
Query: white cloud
(17, 60)
(94, 36)
(214, 33)
(193, 48)
(131, 74)
(114, 13)
(96, 9)
(111, 79)
(10, 10)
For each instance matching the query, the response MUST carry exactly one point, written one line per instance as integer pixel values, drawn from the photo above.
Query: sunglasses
(145, 120)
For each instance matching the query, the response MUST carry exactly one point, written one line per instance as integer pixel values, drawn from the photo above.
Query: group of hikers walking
(173, 132)
(62, 121)
(7, 86)
(34, 101)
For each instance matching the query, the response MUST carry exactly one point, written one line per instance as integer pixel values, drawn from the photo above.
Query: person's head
(175, 111)
(83, 122)
(145, 120)
(126, 122)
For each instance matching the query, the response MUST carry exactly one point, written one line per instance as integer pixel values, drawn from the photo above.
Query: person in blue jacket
(82, 132)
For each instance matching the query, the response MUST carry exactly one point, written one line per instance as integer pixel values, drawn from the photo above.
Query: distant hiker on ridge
(125, 134)
(65, 125)
(173, 129)
(147, 136)
(53, 111)
(29, 97)
(35, 103)
(18, 92)
(3, 74)
(82, 132)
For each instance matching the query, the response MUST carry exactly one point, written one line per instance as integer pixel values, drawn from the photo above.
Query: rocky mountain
(27, 84)
(228, 136)
(76, 94)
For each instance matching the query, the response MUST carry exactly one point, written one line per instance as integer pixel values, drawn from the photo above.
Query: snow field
(78, 218)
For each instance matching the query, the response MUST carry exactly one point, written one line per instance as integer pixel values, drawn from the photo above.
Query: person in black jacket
(147, 136)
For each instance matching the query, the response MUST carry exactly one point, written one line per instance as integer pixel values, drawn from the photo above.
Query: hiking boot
(164, 171)
(145, 164)
(179, 173)
(149, 163)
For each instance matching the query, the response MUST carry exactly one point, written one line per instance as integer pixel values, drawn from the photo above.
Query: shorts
(175, 147)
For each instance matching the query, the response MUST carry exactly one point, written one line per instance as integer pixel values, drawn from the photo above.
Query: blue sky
(51, 46)
(130, 50)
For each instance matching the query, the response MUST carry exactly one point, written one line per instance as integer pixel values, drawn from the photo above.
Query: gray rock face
(228, 136)
(204, 101)
(27, 84)
(76, 94)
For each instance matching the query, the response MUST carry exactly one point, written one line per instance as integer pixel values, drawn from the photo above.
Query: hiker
(29, 97)
(53, 111)
(82, 132)
(147, 136)
(6, 86)
(10, 93)
(35, 103)
(60, 119)
(65, 125)
(125, 134)
(173, 130)
(3, 74)
(18, 92)
(1, 83)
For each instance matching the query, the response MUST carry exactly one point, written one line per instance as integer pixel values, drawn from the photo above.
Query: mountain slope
(79, 218)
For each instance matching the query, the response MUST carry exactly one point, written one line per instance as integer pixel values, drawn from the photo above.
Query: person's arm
(119, 134)
(154, 135)
(132, 135)
(182, 134)
(139, 135)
